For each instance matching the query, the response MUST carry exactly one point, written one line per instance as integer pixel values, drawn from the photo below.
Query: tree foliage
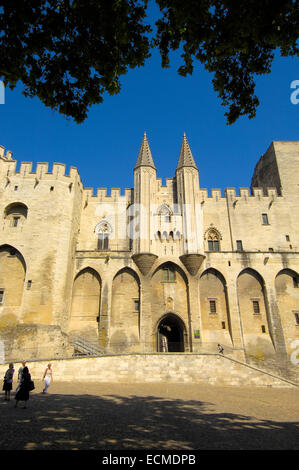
(69, 53)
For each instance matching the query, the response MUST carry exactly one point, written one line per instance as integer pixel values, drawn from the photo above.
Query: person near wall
(20, 372)
(8, 379)
(25, 387)
(47, 377)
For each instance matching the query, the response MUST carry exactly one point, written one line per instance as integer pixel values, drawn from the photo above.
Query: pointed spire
(145, 155)
(186, 157)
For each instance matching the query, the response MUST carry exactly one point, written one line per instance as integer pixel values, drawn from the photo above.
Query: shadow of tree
(85, 422)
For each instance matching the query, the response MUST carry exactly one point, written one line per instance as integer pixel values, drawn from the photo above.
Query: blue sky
(105, 147)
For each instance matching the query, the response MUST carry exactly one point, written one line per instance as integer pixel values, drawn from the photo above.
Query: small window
(1, 296)
(16, 188)
(103, 241)
(167, 218)
(256, 306)
(263, 329)
(239, 245)
(287, 238)
(296, 282)
(15, 221)
(15, 213)
(213, 245)
(29, 284)
(213, 241)
(136, 305)
(168, 274)
(271, 249)
(213, 306)
(265, 219)
(52, 188)
(223, 325)
(296, 318)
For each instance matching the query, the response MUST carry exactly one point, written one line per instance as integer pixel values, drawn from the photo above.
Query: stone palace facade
(159, 268)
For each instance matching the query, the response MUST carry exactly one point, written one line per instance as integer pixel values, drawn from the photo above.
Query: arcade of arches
(128, 314)
(156, 317)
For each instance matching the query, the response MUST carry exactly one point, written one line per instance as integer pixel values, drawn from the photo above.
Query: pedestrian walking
(20, 372)
(220, 349)
(47, 377)
(25, 387)
(7, 383)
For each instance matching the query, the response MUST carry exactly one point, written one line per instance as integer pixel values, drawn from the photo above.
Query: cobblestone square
(86, 416)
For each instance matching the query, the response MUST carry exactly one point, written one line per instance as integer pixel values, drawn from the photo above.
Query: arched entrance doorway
(171, 334)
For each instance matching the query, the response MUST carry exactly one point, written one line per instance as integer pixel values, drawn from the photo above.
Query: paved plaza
(99, 416)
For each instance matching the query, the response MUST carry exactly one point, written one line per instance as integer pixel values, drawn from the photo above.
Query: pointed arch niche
(253, 307)
(216, 325)
(169, 293)
(12, 277)
(125, 312)
(86, 300)
(287, 294)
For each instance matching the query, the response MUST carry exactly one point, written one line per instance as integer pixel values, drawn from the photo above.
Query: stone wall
(186, 368)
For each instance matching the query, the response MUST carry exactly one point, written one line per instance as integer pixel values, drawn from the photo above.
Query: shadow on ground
(68, 422)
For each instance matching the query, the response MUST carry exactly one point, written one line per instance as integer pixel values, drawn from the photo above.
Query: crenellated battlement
(102, 195)
(215, 194)
(3, 155)
(169, 183)
(9, 168)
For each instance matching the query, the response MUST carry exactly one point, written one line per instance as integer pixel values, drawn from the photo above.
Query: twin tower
(171, 213)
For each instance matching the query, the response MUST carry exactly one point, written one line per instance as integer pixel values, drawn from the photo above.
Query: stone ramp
(192, 368)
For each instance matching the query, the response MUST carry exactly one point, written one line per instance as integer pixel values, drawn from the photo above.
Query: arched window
(165, 212)
(213, 240)
(168, 273)
(16, 214)
(103, 230)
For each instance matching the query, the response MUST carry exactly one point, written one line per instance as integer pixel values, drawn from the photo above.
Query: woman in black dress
(23, 392)
(7, 383)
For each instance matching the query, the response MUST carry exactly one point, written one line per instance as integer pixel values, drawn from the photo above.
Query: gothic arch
(254, 273)
(12, 277)
(14, 252)
(215, 272)
(86, 300)
(103, 227)
(289, 272)
(170, 296)
(215, 314)
(287, 295)
(125, 311)
(164, 209)
(172, 265)
(171, 333)
(254, 314)
(129, 270)
(213, 230)
(212, 236)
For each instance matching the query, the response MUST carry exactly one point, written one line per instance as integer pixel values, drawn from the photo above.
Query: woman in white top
(47, 377)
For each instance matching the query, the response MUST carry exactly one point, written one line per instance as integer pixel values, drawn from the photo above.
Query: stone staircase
(85, 346)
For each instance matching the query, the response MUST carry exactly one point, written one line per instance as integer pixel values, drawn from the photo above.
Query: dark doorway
(171, 334)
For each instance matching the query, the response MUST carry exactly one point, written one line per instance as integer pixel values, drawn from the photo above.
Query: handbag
(31, 385)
